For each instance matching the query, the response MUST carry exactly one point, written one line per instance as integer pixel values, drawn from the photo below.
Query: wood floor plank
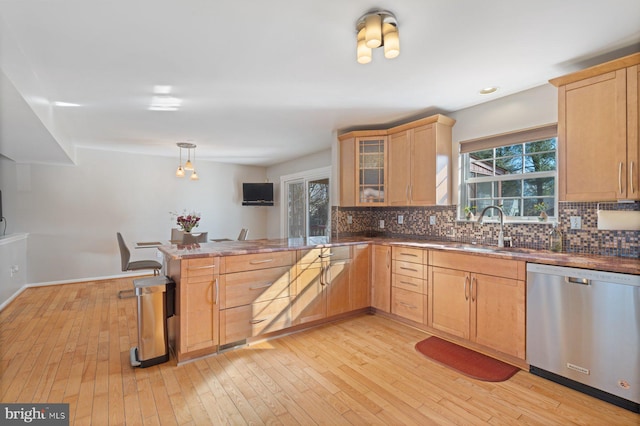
(70, 343)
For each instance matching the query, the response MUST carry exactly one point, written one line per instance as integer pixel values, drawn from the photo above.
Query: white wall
(72, 213)
(530, 108)
(309, 162)
(13, 266)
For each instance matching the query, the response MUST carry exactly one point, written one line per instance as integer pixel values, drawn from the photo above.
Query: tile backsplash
(440, 223)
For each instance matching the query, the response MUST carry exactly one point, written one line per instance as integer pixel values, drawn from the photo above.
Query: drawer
(253, 320)
(408, 254)
(251, 262)
(409, 283)
(494, 266)
(327, 253)
(407, 304)
(205, 266)
(243, 288)
(409, 269)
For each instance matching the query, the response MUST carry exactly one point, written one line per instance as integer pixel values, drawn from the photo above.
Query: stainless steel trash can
(155, 298)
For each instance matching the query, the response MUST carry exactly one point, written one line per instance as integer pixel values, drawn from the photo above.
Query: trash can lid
(151, 282)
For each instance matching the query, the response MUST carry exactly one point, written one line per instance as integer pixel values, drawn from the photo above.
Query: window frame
(507, 139)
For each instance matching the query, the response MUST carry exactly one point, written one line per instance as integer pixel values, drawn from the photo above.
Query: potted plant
(541, 207)
(468, 212)
(187, 221)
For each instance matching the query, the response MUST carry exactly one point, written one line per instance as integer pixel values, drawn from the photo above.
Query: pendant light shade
(373, 33)
(376, 29)
(391, 40)
(364, 52)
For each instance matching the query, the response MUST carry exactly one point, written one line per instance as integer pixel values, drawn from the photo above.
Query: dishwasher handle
(574, 280)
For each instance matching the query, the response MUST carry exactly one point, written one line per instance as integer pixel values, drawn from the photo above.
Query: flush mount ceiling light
(188, 165)
(377, 28)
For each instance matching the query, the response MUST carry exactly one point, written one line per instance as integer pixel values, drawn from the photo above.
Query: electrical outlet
(349, 219)
(432, 220)
(381, 224)
(576, 222)
(400, 219)
(14, 269)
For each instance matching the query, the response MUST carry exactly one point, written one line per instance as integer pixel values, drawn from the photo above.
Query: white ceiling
(266, 81)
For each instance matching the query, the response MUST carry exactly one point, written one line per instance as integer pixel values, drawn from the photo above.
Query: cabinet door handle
(257, 321)
(408, 254)
(324, 256)
(388, 254)
(258, 262)
(261, 286)
(620, 177)
(410, 192)
(466, 288)
(406, 305)
(322, 275)
(408, 283)
(473, 291)
(217, 292)
(631, 177)
(408, 269)
(406, 193)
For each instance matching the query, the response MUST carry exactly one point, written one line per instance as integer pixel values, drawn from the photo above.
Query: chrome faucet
(501, 213)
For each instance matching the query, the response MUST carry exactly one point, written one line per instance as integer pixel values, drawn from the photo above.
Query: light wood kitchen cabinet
(360, 294)
(479, 300)
(255, 295)
(381, 277)
(420, 164)
(199, 304)
(408, 290)
(322, 284)
(598, 132)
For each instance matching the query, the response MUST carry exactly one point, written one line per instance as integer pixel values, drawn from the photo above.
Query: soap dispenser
(555, 239)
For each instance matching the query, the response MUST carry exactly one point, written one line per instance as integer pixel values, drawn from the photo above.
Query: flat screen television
(257, 194)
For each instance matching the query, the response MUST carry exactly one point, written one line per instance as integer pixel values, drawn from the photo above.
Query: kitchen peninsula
(229, 293)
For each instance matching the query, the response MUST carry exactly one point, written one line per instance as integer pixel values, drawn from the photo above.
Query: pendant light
(188, 165)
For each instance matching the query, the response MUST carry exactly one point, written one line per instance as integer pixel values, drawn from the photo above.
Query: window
(306, 205)
(517, 171)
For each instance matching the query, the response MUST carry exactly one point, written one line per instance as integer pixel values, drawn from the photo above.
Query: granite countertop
(625, 265)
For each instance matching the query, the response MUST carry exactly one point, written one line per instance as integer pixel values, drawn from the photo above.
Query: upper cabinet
(363, 169)
(405, 165)
(598, 126)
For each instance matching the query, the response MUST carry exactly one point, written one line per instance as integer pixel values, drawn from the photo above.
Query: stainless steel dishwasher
(583, 331)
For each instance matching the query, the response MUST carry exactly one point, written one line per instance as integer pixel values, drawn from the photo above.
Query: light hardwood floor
(70, 343)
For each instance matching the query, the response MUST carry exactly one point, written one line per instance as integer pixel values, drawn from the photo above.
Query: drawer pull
(408, 283)
(257, 321)
(261, 286)
(202, 267)
(408, 269)
(406, 305)
(408, 254)
(324, 256)
(258, 262)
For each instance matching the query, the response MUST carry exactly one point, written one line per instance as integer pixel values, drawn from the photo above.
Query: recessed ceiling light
(488, 90)
(165, 103)
(161, 89)
(65, 104)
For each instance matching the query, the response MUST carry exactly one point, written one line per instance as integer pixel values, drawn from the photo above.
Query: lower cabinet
(255, 295)
(484, 303)
(198, 304)
(381, 277)
(323, 284)
(408, 283)
(360, 285)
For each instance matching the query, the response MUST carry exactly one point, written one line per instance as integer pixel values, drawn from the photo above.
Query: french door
(306, 205)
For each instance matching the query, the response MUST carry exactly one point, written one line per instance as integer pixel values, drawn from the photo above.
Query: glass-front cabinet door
(372, 170)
